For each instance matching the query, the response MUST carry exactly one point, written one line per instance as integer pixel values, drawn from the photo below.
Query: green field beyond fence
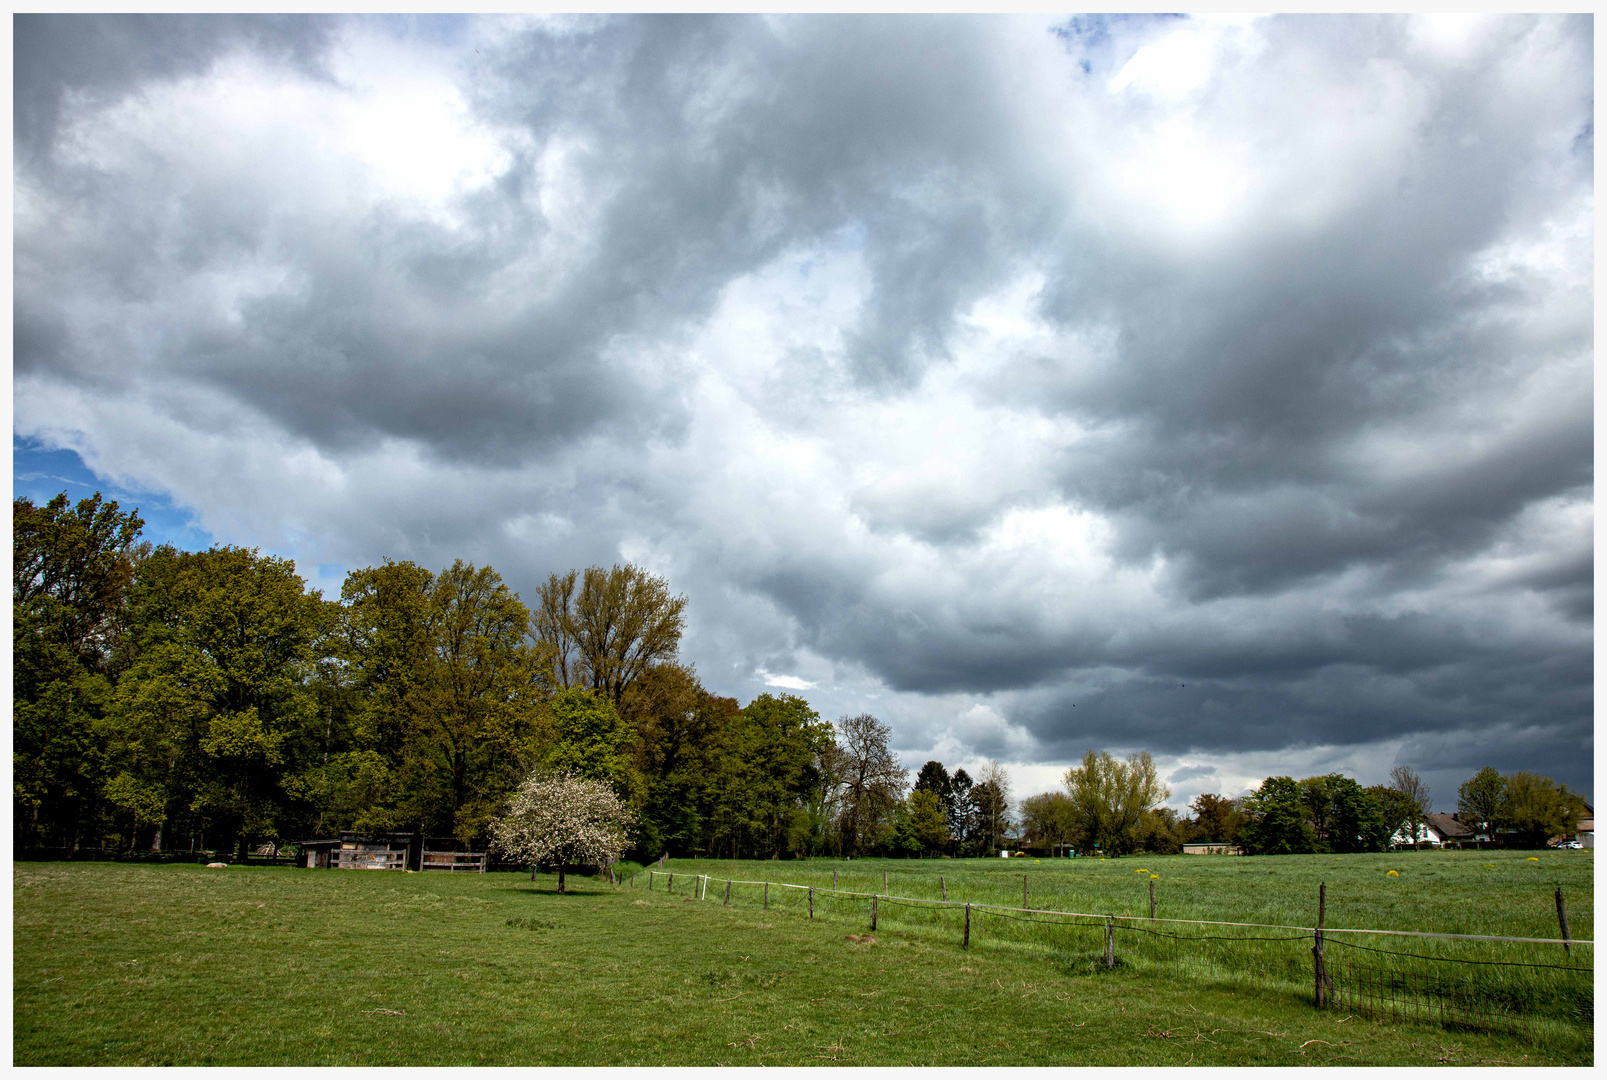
(1236, 921)
(118, 964)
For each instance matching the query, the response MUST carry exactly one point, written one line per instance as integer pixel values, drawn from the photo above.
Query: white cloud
(786, 682)
(970, 392)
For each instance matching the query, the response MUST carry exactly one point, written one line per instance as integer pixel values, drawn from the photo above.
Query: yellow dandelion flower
(1531, 858)
(1140, 871)
(1489, 866)
(1155, 877)
(1394, 873)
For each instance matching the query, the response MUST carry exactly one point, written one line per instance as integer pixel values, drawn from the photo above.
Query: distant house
(1211, 848)
(1438, 830)
(1453, 833)
(1586, 833)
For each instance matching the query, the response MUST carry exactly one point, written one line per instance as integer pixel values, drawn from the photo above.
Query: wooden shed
(359, 851)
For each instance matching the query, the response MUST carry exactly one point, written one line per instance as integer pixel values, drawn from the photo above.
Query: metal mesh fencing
(1454, 980)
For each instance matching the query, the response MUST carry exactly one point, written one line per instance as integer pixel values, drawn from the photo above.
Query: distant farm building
(390, 851)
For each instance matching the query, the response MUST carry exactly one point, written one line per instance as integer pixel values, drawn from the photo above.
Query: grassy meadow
(1451, 892)
(129, 965)
(1484, 893)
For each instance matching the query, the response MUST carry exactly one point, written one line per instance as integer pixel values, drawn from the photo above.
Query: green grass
(139, 965)
(1448, 892)
(1508, 894)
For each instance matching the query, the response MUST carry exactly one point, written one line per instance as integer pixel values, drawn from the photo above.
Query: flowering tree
(560, 819)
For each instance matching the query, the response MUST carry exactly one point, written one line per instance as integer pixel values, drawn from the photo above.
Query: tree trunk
(560, 877)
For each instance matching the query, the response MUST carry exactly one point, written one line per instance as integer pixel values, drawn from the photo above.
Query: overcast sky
(1219, 388)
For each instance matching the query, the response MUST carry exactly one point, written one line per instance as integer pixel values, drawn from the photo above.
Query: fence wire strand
(1457, 959)
(1389, 988)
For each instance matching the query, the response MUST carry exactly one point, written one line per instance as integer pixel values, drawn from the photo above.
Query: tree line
(1112, 807)
(176, 699)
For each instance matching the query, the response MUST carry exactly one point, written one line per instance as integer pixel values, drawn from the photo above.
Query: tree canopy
(1109, 799)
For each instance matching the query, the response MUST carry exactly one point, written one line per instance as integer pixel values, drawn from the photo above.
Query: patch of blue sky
(446, 30)
(1088, 37)
(40, 473)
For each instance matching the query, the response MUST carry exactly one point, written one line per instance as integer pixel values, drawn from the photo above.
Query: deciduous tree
(625, 620)
(1048, 820)
(451, 690)
(553, 622)
(1395, 807)
(1109, 799)
(1277, 822)
(872, 782)
(770, 766)
(1355, 818)
(1478, 801)
(562, 820)
(1536, 808)
(991, 798)
(70, 568)
(1216, 818)
(216, 697)
(682, 731)
(1409, 784)
(1161, 832)
(589, 740)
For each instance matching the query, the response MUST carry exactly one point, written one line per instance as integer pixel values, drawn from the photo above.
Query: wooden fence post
(1319, 975)
(767, 896)
(873, 913)
(1562, 919)
(943, 883)
(1110, 944)
(1023, 892)
(672, 881)
(1152, 899)
(884, 883)
(834, 877)
(728, 893)
(966, 944)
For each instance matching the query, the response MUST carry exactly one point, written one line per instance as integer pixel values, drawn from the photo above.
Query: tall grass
(1484, 893)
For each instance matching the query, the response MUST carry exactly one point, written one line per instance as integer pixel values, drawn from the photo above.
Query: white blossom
(563, 820)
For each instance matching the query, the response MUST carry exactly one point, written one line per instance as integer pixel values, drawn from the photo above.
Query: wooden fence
(470, 862)
(349, 859)
(1466, 980)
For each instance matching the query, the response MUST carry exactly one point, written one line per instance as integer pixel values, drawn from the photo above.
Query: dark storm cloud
(103, 57)
(697, 193)
(831, 318)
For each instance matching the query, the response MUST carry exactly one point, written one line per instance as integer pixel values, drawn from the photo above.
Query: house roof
(1447, 826)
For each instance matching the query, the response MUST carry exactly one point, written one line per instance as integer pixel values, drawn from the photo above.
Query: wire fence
(1490, 982)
